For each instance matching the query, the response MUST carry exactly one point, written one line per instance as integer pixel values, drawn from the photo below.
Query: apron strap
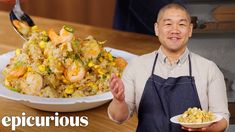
(190, 67)
(155, 60)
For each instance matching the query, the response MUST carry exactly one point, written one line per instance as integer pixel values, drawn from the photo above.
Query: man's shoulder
(200, 60)
(206, 66)
(144, 58)
(150, 55)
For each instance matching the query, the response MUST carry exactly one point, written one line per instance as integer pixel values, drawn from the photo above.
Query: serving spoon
(17, 16)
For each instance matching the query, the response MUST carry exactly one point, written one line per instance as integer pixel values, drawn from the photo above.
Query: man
(165, 83)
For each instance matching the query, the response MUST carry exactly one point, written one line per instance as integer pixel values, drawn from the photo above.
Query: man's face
(173, 29)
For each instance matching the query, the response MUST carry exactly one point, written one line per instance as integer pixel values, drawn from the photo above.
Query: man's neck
(173, 56)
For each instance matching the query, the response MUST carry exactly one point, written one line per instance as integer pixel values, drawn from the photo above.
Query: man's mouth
(174, 38)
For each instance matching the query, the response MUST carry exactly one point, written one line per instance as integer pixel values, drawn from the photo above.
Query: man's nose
(175, 29)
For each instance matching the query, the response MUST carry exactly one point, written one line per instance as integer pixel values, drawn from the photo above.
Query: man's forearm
(118, 110)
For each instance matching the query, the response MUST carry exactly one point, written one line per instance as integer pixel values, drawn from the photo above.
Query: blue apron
(165, 98)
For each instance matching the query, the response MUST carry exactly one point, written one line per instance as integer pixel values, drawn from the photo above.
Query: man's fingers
(115, 89)
(120, 82)
(112, 83)
(112, 75)
(204, 129)
(185, 128)
(194, 129)
(120, 95)
(114, 86)
(111, 78)
(120, 92)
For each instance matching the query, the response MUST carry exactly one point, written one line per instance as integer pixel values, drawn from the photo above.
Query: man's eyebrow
(183, 20)
(169, 20)
(164, 20)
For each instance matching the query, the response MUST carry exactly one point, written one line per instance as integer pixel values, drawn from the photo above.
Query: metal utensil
(17, 14)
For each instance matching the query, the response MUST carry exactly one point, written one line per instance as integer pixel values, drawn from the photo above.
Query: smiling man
(166, 82)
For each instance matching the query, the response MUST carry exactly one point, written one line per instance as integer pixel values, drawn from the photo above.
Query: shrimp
(21, 27)
(64, 36)
(32, 84)
(90, 49)
(75, 72)
(16, 72)
(55, 65)
(120, 62)
(53, 36)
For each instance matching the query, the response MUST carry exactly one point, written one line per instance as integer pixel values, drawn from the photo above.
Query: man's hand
(117, 88)
(195, 129)
(118, 108)
(219, 126)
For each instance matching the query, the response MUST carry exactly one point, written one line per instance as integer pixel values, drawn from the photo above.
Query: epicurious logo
(41, 121)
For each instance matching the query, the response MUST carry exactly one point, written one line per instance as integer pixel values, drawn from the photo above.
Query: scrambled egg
(195, 115)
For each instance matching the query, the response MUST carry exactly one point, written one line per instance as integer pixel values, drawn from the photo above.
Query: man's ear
(191, 30)
(156, 28)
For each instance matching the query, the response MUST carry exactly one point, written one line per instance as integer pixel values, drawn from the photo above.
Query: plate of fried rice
(60, 72)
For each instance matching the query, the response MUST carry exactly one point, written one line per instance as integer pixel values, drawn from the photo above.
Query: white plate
(57, 104)
(195, 125)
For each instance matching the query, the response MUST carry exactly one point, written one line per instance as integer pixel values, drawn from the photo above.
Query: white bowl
(195, 125)
(57, 104)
